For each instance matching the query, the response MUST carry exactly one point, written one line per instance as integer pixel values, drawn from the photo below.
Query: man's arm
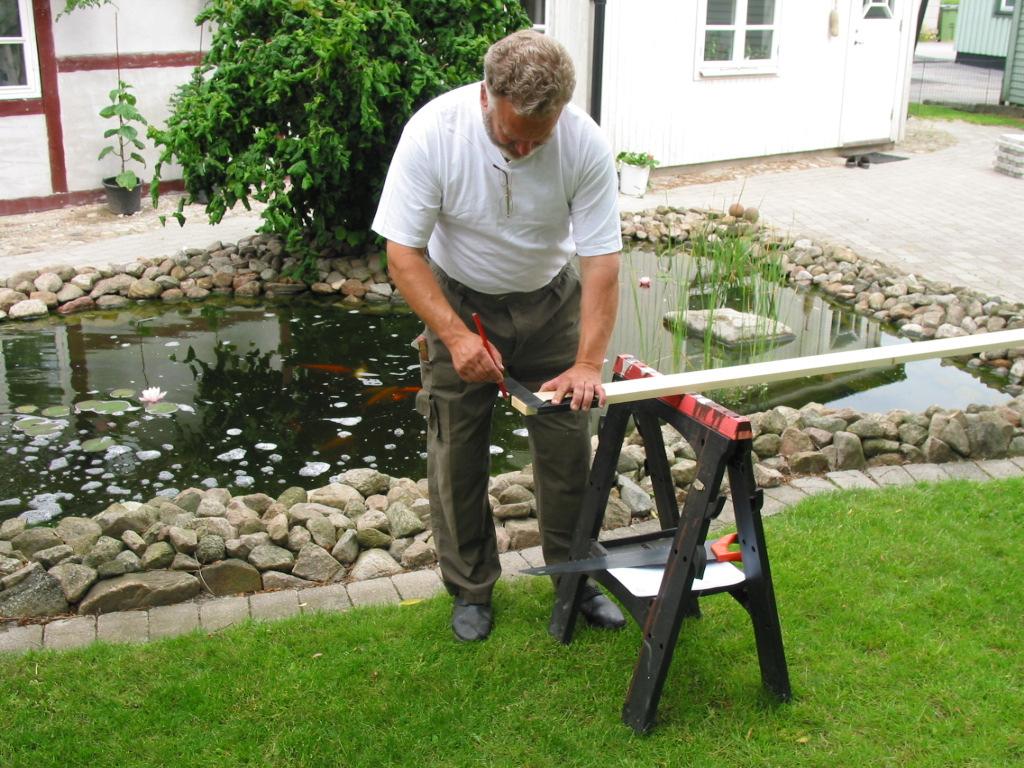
(409, 269)
(598, 308)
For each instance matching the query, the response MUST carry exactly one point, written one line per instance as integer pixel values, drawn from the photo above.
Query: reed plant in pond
(712, 271)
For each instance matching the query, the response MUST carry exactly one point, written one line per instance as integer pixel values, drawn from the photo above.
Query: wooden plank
(795, 368)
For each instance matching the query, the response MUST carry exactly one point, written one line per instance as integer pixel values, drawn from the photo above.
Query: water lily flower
(151, 395)
(645, 282)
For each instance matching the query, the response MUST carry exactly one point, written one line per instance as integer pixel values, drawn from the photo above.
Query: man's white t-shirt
(499, 226)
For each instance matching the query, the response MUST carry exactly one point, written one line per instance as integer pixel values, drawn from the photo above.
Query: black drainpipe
(597, 62)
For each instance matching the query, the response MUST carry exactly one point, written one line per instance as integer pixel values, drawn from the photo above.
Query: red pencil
(483, 337)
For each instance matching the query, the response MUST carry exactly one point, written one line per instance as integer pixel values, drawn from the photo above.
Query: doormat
(881, 157)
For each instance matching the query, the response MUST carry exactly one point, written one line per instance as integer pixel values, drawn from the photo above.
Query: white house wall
(653, 101)
(144, 26)
(25, 161)
(83, 94)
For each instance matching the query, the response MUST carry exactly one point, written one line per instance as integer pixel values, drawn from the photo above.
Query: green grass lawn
(934, 112)
(901, 613)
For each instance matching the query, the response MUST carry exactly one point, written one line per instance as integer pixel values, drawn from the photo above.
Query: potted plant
(634, 172)
(124, 191)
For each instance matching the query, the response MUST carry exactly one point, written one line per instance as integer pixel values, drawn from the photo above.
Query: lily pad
(162, 408)
(97, 444)
(105, 406)
(26, 409)
(57, 412)
(33, 426)
(120, 394)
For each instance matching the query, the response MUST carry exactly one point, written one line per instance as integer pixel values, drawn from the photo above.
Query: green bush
(300, 103)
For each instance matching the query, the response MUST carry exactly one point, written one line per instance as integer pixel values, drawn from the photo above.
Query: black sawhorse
(722, 442)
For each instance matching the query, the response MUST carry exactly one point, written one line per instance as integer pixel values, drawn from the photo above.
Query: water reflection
(820, 328)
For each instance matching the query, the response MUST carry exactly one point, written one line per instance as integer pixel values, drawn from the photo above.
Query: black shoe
(864, 162)
(851, 162)
(471, 621)
(601, 612)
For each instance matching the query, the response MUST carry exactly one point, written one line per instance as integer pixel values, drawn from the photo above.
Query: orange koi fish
(391, 394)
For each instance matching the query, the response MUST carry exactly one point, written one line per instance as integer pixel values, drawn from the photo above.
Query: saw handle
(720, 549)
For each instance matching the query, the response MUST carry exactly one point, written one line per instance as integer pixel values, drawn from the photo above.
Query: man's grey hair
(532, 71)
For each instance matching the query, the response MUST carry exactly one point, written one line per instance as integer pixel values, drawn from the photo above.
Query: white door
(872, 67)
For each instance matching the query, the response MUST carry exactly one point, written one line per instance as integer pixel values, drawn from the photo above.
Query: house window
(740, 36)
(879, 9)
(19, 64)
(535, 10)
(1005, 6)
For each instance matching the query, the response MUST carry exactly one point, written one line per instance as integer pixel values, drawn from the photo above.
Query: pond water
(270, 394)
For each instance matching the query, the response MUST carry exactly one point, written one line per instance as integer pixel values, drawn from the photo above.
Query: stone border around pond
(138, 626)
(368, 526)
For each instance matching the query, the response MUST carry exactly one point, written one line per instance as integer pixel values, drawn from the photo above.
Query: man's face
(516, 136)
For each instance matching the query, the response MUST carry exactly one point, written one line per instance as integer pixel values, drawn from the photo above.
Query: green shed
(1013, 75)
(983, 30)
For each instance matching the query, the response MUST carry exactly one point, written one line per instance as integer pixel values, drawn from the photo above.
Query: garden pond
(261, 395)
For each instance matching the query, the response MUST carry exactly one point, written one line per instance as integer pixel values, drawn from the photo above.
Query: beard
(508, 150)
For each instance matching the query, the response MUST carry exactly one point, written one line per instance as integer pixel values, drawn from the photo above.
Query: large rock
(74, 579)
(989, 435)
(873, 425)
(808, 463)
(523, 533)
(79, 533)
(33, 592)
(268, 557)
(111, 285)
(849, 451)
(209, 549)
(323, 531)
(104, 550)
(402, 521)
(936, 451)
(347, 549)
(140, 590)
(50, 556)
(728, 326)
(419, 554)
(123, 516)
(684, 472)
(230, 577)
(144, 288)
(160, 554)
(28, 310)
(315, 564)
(794, 441)
(616, 515)
(33, 540)
(951, 430)
(366, 481)
(304, 511)
(12, 527)
(374, 563)
(634, 497)
(336, 495)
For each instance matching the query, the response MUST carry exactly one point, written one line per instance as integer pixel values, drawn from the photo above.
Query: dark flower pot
(123, 202)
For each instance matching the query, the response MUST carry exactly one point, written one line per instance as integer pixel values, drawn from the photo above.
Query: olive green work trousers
(537, 334)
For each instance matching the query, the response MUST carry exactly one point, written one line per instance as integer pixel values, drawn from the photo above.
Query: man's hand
(583, 381)
(473, 362)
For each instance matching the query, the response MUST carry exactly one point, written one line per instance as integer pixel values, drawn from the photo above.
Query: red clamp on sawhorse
(722, 442)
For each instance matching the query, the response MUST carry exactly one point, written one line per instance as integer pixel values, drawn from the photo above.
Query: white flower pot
(633, 179)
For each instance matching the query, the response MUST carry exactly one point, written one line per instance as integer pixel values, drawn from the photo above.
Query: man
(492, 189)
